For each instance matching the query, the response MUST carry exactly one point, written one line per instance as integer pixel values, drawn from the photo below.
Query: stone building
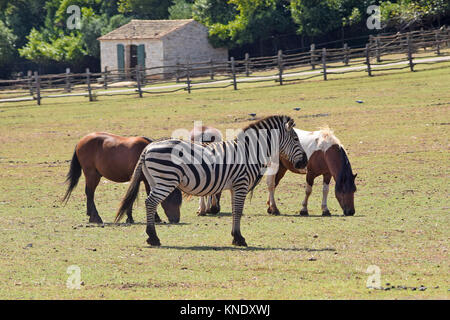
(157, 43)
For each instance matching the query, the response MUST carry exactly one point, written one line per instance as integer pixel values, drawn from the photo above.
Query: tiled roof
(145, 29)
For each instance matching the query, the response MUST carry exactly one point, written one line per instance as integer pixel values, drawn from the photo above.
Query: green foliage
(66, 48)
(181, 9)
(7, 49)
(254, 20)
(145, 9)
(404, 13)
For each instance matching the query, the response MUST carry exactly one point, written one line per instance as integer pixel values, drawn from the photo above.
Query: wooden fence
(384, 52)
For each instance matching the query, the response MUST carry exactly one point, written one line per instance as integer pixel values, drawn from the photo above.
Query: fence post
(377, 49)
(324, 63)
(105, 79)
(369, 71)
(438, 46)
(177, 72)
(138, 80)
(280, 66)
(422, 39)
(346, 54)
(38, 87)
(30, 81)
(247, 64)
(410, 51)
(313, 62)
(211, 69)
(233, 72)
(68, 86)
(188, 76)
(88, 81)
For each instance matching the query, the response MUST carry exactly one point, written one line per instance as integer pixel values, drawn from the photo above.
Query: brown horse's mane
(345, 182)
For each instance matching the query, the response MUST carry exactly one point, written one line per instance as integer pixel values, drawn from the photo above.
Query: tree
(145, 9)
(181, 9)
(255, 19)
(7, 49)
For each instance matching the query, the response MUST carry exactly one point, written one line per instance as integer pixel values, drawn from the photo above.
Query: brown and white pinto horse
(114, 157)
(326, 157)
(206, 135)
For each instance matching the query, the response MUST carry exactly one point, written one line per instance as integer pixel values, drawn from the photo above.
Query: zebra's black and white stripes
(235, 165)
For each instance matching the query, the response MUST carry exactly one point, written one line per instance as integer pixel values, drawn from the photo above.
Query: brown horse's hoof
(273, 211)
(154, 241)
(95, 219)
(326, 213)
(157, 218)
(130, 220)
(239, 241)
(304, 213)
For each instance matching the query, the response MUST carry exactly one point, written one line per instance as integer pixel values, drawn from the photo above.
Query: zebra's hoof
(326, 213)
(273, 211)
(154, 242)
(239, 242)
(157, 218)
(304, 213)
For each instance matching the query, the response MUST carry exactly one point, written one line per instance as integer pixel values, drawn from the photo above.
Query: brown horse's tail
(72, 176)
(132, 192)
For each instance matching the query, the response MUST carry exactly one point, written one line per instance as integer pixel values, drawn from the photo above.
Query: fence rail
(383, 52)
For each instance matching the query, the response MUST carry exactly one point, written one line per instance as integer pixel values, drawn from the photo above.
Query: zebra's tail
(132, 192)
(72, 176)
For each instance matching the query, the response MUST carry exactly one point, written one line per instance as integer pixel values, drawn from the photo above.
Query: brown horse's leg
(92, 180)
(272, 183)
(326, 188)
(147, 190)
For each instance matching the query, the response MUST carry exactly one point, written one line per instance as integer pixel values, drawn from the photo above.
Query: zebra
(236, 165)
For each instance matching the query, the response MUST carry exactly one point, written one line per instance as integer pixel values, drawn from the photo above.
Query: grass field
(397, 141)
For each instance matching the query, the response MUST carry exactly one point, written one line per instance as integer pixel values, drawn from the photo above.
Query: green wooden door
(120, 57)
(141, 55)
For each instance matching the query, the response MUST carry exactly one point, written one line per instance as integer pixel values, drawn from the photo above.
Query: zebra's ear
(290, 124)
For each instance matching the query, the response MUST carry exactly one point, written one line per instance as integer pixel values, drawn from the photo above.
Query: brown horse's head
(341, 170)
(171, 206)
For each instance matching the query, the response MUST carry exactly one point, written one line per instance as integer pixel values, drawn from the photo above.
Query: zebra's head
(290, 146)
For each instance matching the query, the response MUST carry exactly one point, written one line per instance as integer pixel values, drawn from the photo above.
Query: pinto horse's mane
(345, 182)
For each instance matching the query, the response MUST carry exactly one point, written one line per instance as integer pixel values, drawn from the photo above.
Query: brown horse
(326, 157)
(114, 157)
(206, 135)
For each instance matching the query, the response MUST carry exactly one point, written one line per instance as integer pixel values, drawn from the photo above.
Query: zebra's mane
(257, 124)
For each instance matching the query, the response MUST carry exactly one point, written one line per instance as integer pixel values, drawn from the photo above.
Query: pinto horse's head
(345, 179)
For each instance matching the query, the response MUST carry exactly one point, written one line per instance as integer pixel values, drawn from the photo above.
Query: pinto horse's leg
(92, 180)
(272, 183)
(215, 203)
(238, 196)
(326, 188)
(201, 207)
(308, 190)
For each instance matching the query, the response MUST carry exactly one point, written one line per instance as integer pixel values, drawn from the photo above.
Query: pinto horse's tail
(132, 192)
(72, 176)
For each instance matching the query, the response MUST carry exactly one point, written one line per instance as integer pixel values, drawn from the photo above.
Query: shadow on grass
(232, 248)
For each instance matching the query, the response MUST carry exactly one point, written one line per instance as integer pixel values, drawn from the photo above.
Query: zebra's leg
(326, 188)
(147, 190)
(201, 207)
(308, 190)
(238, 199)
